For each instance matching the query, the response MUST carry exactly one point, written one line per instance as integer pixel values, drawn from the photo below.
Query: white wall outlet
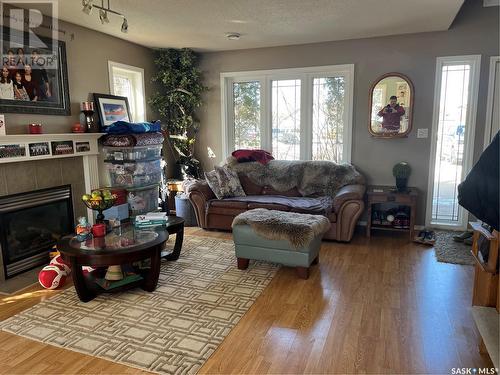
(422, 133)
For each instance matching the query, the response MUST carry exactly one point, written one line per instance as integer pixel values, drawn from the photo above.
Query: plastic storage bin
(184, 209)
(131, 174)
(142, 200)
(138, 153)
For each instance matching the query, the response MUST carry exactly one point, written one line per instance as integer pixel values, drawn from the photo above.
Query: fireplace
(30, 224)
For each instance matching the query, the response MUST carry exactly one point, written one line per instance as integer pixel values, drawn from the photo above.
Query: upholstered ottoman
(288, 238)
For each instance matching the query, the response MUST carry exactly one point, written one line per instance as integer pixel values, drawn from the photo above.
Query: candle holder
(87, 109)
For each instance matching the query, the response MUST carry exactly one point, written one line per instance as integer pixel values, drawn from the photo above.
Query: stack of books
(150, 220)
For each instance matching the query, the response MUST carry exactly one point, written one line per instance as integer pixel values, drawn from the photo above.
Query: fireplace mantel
(27, 147)
(32, 147)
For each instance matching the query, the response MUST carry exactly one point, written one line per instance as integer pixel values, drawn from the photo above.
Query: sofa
(314, 187)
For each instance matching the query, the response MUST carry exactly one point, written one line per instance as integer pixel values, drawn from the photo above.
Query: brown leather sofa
(212, 213)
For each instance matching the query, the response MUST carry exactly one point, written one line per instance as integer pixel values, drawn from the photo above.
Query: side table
(389, 194)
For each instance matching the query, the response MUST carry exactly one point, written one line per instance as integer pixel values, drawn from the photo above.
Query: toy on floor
(58, 261)
(52, 276)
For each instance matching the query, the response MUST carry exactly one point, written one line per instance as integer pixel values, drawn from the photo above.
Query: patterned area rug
(449, 251)
(174, 330)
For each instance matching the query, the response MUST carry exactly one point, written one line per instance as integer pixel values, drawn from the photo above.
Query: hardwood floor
(379, 305)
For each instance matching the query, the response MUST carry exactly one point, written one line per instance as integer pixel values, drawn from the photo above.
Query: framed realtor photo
(34, 76)
(112, 108)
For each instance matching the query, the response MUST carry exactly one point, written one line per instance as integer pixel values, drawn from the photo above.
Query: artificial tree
(178, 95)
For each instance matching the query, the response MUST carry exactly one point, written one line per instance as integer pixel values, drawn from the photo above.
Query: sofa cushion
(319, 205)
(249, 187)
(229, 182)
(213, 183)
(269, 190)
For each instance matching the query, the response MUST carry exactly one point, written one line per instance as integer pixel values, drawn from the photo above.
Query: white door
(454, 121)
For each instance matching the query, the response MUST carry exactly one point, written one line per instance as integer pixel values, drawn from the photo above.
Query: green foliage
(178, 79)
(178, 95)
(401, 170)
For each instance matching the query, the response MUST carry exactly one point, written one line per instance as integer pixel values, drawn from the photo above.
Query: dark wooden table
(130, 246)
(389, 194)
(175, 225)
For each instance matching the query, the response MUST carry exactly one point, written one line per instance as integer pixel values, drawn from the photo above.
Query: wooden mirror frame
(410, 116)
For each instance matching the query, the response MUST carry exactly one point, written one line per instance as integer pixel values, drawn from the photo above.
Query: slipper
(463, 236)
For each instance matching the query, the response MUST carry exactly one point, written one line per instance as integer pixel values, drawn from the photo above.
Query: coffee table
(131, 245)
(175, 225)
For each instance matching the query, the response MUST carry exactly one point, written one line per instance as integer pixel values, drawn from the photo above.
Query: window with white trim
(296, 114)
(128, 81)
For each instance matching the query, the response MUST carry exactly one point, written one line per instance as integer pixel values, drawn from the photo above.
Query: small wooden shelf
(487, 322)
(377, 194)
(389, 228)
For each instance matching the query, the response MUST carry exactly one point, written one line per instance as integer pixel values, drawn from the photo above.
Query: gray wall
(474, 31)
(87, 56)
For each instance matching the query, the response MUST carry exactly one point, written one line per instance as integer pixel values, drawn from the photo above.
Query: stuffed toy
(58, 260)
(52, 276)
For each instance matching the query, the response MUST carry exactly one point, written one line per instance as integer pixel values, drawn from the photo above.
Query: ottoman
(287, 238)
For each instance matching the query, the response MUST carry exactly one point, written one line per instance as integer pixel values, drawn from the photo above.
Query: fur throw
(323, 178)
(298, 229)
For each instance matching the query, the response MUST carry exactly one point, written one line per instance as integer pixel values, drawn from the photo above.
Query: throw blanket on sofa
(298, 229)
(309, 177)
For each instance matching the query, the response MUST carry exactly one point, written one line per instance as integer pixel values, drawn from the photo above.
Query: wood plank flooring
(379, 305)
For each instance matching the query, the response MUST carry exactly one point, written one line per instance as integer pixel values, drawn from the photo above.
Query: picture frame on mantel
(111, 108)
(39, 75)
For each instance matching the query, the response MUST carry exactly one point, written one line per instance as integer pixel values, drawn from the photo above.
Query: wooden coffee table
(132, 245)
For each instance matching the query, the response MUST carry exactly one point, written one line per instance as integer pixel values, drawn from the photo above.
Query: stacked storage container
(138, 170)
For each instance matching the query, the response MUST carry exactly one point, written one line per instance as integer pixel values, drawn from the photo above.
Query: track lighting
(124, 26)
(87, 6)
(104, 11)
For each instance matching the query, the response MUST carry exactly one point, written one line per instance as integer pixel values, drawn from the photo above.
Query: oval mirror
(391, 106)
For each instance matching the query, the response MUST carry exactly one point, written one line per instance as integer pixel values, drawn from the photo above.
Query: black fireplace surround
(30, 225)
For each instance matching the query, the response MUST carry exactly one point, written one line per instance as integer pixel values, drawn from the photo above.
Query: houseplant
(178, 95)
(401, 171)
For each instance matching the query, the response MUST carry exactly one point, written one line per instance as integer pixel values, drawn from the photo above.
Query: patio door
(454, 121)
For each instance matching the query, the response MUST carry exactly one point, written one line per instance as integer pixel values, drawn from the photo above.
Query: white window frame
(265, 77)
(494, 61)
(475, 63)
(136, 74)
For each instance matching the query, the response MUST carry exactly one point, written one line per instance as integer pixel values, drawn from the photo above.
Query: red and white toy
(58, 260)
(52, 276)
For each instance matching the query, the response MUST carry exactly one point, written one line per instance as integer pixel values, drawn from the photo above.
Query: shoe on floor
(463, 236)
(430, 237)
(468, 241)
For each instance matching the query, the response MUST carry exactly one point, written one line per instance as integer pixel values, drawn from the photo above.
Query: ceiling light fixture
(88, 5)
(125, 26)
(233, 36)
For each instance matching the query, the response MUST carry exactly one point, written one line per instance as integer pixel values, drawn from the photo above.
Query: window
(303, 113)
(128, 81)
(455, 103)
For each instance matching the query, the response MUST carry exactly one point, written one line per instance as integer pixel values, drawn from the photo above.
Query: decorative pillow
(229, 182)
(213, 183)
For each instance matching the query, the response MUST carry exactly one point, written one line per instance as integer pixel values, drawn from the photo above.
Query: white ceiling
(202, 24)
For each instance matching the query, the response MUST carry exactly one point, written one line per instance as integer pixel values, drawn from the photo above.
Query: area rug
(173, 330)
(449, 251)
